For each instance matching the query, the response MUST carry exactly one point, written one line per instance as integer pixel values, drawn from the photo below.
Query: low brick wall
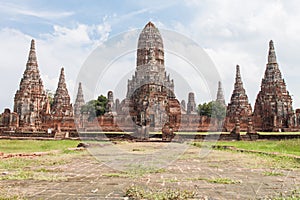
(178, 137)
(26, 134)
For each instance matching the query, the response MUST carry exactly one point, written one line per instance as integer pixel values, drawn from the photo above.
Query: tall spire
(238, 79)
(273, 105)
(272, 54)
(79, 102)
(32, 61)
(272, 73)
(30, 98)
(239, 106)
(62, 81)
(61, 101)
(220, 94)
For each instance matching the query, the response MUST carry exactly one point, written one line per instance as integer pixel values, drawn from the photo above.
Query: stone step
(59, 135)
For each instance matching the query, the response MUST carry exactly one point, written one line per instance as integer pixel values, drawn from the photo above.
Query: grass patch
(35, 168)
(136, 192)
(196, 179)
(32, 175)
(222, 181)
(279, 133)
(135, 171)
(19, 175)
(10, 197)
(272, 173)
(29, 146)
(214, 180)
(281, 146)
(136, 149)
(266, 160)
(117, 175)
(140, 170)
(295, 195)
(171, 180)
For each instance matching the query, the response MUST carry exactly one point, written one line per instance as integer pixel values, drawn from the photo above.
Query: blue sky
(230, 31)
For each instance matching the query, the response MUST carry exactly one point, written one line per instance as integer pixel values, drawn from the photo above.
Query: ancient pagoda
(79, 101)
(30, 99)
(191, 105)
(151, 91)
(239, 107)
(220, 94)
(61, 103)
(110, 108)
(273, 107)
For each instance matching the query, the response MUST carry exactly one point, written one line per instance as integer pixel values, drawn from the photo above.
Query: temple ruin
(273, 109)
(150, 104)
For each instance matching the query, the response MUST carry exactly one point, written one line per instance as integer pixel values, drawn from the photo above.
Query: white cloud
(12, 9)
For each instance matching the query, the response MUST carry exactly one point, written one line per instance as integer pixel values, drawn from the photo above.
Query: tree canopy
(212, 109)
(95, 108)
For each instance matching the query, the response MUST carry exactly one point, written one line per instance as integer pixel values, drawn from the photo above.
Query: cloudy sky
(230, 31)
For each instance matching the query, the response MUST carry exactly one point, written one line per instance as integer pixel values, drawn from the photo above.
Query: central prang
(152, 102)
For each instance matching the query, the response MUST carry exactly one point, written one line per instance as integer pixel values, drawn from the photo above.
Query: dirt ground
(106, 171)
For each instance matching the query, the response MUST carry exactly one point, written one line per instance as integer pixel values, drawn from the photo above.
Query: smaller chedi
(79, 102)
(239, 107)
(61, 103)
(220, 94)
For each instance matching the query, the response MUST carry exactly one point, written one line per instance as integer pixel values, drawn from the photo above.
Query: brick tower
(151, 91)
(220, 94)
(239, 107)
(273, 107)
(79, 101)
(30, 99)
(61, 103)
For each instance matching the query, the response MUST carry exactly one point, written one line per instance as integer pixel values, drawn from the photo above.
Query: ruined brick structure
(150, 103)
(9, 120)
(30, 99)
(79, 102)
(61, 103)
(110, 106)
(273, 106)
(191, 105)
(32, 109)
(239, 107)
(151, 90)
(220, 95)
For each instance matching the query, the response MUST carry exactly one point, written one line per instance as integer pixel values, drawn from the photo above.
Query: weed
(222, 181)
(196, 179)
(19, 175)
(27, 146)
(136, 192)
(139, 170)
(295, 195)
(272, 173)
(117, 175)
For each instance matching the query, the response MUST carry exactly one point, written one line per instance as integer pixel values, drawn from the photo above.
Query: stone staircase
(59, 135)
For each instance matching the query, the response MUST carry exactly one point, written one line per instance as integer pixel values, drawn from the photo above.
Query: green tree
(95, 108)
(50, 96)
(218, 110)
(205, 109)
(212, 109)
(101, 107)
